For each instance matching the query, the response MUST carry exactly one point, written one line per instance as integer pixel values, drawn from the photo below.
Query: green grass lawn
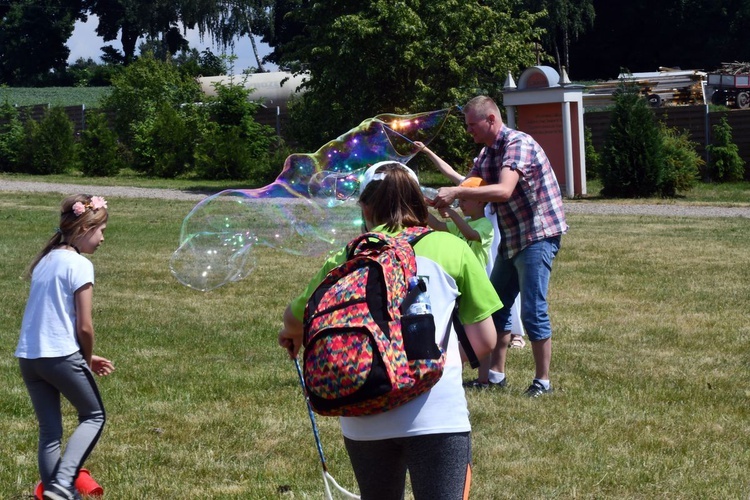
(651, 367)
(54, 96)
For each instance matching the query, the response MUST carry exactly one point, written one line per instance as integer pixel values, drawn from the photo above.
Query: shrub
(98, 151)
(48, 146)
(682, 164)
(11, 137)
(171, 142)
(633, 154)
(223, 154)
(234, 145)
(237, 152)
(593, 158)
(725, 163)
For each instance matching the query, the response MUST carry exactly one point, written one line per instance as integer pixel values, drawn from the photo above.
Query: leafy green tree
(228, 21)
(565, 21)
(87, 73)
(282, 28)
(206, 63)
(140, 88)
(33, 34)
(131, 19)
(154, 117)
(633, 153)
(725, 163)
(11, 137)
(644, 35)
(376, 56)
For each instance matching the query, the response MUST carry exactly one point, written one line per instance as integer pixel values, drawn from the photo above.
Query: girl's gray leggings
(46, 379)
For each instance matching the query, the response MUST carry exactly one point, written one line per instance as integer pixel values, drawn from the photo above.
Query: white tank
(267, 87)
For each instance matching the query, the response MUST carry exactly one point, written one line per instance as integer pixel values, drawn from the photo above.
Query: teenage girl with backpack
(428, 436)
(55, 349)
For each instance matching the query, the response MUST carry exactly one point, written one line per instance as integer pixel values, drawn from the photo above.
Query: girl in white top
(428, 436)
(55, 348)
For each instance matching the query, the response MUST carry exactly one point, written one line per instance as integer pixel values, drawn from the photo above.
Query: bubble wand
(326, 475)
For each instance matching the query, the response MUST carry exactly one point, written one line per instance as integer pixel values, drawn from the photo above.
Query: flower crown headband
(95, 204)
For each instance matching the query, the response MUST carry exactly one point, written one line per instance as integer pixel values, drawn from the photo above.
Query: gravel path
(128, 192)
(571, 207)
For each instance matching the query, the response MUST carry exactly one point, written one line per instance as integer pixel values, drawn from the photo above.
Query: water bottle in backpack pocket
(418, 323)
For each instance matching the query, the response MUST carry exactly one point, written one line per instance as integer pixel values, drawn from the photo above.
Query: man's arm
(498, 193)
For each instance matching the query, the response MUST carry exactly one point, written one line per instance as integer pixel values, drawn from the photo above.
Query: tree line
(375, 56)
(593, 39)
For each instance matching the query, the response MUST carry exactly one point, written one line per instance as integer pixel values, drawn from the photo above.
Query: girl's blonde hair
(79, 214)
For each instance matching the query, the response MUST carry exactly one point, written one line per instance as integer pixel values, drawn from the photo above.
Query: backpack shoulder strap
(463, 338)
(413, 235)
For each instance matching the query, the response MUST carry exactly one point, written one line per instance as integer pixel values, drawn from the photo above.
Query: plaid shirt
(534, 211)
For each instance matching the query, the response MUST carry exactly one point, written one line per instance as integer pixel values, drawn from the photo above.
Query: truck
(732, 90)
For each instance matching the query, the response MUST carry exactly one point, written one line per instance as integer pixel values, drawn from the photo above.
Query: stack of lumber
(733, 68)
(666, 86)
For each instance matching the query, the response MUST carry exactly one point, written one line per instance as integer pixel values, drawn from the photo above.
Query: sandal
(517, 342)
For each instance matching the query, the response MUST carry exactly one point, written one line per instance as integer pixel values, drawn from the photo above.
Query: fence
(76, 114)
(271, 116)
(697, 120)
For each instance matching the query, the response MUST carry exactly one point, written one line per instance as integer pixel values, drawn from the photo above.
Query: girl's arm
(468, 232)
(101, 366)
(290, 336)
(435, 223)
(446, 169)
(482, 337)
(84, 322)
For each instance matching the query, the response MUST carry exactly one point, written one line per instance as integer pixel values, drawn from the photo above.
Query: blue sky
(85, 43)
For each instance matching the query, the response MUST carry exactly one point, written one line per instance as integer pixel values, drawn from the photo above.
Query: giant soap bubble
(310, 209)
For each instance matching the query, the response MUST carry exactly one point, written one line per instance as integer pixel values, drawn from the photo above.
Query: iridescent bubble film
(310, 209)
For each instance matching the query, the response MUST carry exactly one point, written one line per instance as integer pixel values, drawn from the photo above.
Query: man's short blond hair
(482, 106)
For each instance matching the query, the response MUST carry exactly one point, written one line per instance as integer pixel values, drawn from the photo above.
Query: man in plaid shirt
(526, 197)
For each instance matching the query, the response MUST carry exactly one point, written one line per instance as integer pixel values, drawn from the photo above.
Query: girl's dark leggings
(439, 466)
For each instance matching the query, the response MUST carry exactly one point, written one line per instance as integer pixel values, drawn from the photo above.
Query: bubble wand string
(326, 475)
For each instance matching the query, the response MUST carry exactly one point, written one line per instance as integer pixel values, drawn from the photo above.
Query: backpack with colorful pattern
(356, 361)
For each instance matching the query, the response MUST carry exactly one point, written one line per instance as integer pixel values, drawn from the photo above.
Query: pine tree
(633, 153)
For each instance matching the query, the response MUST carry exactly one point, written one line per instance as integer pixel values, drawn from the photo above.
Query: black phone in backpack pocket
(418, 332)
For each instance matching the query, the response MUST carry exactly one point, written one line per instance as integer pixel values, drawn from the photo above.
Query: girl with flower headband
(55, 349)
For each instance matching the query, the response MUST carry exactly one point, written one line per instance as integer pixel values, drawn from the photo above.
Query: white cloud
(84, 43)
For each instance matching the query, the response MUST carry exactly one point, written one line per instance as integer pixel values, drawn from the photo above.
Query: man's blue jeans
(527, 273)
